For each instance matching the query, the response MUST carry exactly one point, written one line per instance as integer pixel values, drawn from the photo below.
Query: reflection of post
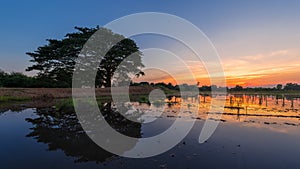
(260, 100)
(277, 100)
(247, 99)
(204, 99)
(283, 100)
(243, 99)
(292, 103)
(266, 101)
(231, 100)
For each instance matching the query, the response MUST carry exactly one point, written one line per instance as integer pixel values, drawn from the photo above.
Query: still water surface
(255, 132)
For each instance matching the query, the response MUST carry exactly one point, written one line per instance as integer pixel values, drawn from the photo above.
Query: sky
(257, 41)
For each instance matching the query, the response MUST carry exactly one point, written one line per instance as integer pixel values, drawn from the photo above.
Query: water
(255, 132)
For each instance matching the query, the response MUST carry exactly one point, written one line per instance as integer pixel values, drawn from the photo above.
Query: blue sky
(238, 29)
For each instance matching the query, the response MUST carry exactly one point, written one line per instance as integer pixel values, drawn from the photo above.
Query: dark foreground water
(263, 136)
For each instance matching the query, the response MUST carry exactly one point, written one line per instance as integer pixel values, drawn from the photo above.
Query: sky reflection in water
(255, 132)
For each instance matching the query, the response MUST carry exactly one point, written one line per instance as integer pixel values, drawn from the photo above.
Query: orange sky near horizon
(259, 70)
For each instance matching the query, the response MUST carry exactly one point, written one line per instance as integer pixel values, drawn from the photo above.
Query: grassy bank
(13, 98)
(9, 94)
(136, 93)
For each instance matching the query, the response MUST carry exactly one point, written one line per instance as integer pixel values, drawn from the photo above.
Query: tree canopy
(56, 60)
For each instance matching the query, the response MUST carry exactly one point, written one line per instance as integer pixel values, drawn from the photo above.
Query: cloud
(257, 69)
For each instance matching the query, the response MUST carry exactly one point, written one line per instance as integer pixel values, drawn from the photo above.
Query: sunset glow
(266, 69)
(258, 43)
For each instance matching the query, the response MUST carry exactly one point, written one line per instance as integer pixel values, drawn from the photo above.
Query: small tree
(279, 87)
(238, 88)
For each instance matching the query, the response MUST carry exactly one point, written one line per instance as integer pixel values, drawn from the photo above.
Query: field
(18, 94)
(21, 94)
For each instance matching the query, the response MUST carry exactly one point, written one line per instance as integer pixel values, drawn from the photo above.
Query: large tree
(55, 61)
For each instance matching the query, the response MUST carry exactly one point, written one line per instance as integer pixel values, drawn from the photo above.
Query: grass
(12, 98)
(104, 98)
(139, 98)
(65, 105)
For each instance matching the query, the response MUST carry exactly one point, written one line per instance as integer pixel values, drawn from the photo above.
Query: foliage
(55, 61)
(237, 88)
(288, 87)
(15, 80)
(2, 78)
(292, 86)
(279, 86)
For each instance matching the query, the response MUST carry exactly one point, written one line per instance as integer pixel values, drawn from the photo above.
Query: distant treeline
(20, 80)
(279, 87)
(17, 79)
(178, 87)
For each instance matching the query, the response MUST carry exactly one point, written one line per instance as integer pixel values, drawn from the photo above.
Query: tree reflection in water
(61, 130)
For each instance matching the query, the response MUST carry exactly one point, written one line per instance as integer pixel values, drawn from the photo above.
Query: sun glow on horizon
(260, 70)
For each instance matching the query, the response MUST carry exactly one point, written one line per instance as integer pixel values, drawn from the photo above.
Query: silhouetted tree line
(177, 87)
(17, 79)
(292, 86)
(160, 85)
(279, 87)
